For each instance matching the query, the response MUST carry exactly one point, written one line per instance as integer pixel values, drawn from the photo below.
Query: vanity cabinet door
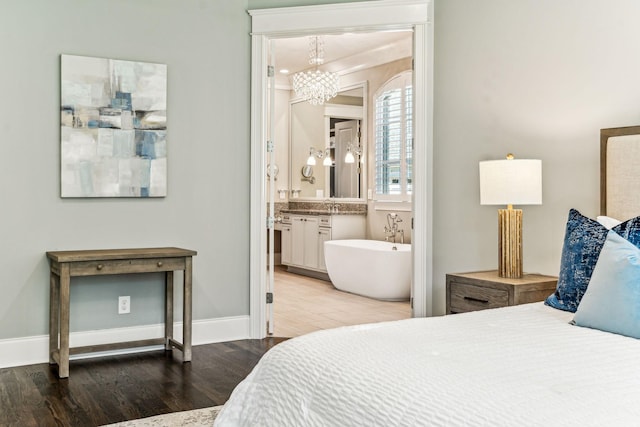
(297, 240)
(324, 234)
(311, 242)
(303, 247)
(285, 241)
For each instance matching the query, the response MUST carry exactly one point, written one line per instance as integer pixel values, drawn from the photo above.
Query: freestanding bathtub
(370, 268)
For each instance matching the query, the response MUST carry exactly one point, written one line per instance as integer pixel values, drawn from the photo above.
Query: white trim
(30, 350)
(398, 206)
(422, 234)
(344, 111)
(257, 226)
(338, 18)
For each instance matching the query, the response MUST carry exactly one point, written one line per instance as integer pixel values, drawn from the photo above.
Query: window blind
(393, 138)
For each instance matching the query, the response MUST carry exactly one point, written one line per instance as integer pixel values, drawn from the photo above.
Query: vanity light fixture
(316, 86)
(311, 160)
(349, 157)
(510, 182)
(313, 153)
(327, 158)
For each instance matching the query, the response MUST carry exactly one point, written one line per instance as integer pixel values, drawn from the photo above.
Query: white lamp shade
(511, 182)
(349, 158)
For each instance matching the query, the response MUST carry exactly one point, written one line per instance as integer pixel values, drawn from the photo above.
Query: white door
(271, 190)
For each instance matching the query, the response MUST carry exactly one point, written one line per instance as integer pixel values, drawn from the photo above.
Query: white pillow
(612, 298)
(607, 221)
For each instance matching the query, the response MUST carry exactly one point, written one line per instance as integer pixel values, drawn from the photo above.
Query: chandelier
(316, 86)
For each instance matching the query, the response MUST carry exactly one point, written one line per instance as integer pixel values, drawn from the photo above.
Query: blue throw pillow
(630, 230)
(612, 300)
(583, 241)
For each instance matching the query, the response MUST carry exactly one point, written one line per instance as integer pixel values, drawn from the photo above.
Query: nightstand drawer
(486, 289)
(465, 297)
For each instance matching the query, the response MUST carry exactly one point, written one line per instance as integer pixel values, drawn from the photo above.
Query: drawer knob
(99, 267)
(159, 263)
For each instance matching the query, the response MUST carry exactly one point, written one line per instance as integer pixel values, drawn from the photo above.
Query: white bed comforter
(516, 366)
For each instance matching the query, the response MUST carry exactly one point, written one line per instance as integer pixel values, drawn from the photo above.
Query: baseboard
(31, 350)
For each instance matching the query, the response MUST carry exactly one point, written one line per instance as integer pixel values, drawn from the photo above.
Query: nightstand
(485, 289)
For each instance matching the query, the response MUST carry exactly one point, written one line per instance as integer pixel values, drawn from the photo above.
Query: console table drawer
(142, 265)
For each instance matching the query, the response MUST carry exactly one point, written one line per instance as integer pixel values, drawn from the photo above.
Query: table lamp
(510, 182)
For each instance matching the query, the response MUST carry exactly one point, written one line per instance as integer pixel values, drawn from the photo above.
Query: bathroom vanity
(304, 234)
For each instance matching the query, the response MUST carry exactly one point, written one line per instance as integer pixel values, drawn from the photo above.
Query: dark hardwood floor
(118, 388)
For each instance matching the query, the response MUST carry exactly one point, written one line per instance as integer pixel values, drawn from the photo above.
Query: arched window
(393, 119)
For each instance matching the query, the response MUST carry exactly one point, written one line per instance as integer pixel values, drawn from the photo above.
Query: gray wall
(538, 78)
(535, 77)
(206, 46)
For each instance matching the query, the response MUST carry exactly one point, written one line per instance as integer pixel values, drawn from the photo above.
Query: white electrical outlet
(124, 305)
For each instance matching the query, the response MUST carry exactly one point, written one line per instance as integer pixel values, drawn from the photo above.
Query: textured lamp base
(510, 243)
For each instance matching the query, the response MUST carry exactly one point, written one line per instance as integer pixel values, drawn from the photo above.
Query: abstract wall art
(113, 128)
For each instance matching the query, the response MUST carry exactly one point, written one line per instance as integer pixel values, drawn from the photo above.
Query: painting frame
(113, 128)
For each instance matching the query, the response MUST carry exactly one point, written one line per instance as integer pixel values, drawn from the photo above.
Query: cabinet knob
(99, 267)
(159, 263)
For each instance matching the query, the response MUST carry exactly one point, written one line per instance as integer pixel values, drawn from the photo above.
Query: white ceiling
(343, 53)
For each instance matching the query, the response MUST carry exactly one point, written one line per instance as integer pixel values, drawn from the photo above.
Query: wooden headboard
(620, 172)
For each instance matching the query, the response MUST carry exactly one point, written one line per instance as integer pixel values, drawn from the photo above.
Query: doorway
(342, 130)
(362, 16)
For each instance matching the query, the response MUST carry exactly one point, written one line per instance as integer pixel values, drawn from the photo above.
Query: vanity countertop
(321, 212)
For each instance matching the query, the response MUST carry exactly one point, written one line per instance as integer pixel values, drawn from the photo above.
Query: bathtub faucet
(331, 205)
(391, 230)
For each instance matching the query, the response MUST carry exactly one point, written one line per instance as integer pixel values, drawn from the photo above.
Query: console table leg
(168, 309)
(63, 364)
(187, 315)
(54, 313)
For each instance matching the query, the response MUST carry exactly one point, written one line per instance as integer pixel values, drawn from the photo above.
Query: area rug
(195, 418)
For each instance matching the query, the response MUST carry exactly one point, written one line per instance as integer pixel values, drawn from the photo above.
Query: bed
(572, 360)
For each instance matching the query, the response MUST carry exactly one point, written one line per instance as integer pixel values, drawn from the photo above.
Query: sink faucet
(391, 230)
(331, 205)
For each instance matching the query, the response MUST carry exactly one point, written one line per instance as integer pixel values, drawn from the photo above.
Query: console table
(67, 264)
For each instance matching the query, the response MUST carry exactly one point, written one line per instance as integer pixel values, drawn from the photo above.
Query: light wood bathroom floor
(303, 304)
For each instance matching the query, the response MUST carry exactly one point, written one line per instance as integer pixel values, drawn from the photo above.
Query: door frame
(268, 24)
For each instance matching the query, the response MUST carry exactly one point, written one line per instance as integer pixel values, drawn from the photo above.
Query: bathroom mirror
(339, 125)
(307, 174)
